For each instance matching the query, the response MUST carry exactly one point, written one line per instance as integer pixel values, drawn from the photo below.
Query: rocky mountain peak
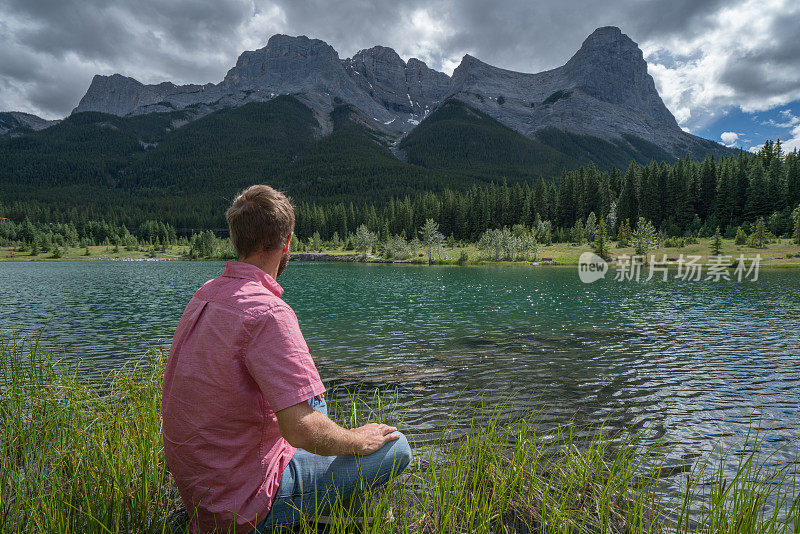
(14, 123)
(281, 44)
(607, 36)
(120, 95)
(410, 89)
(610, 66)
(469, 68)
(285, 56)
(604, 90)
(379, 54)
(607, 50)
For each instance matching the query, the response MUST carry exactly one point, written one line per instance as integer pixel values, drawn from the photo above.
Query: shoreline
(327, 258)
(783, 254)
(77, 455)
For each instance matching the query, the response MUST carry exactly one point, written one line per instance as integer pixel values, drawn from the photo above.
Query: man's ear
(288, 243)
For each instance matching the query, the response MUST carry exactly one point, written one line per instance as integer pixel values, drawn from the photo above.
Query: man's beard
(282, 265)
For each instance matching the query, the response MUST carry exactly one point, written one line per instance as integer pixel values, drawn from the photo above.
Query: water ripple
(697, 363)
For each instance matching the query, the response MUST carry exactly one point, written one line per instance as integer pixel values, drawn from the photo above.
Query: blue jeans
(310, 484)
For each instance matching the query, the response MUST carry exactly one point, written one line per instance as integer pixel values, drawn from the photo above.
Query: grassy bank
(86, 456)
(95, 253)
(783, 253)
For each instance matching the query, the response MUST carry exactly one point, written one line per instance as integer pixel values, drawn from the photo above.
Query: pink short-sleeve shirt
(237, 357)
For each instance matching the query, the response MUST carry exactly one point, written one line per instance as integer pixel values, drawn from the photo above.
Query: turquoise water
(696, 362)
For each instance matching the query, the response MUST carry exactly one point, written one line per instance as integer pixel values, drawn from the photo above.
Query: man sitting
(246, 432)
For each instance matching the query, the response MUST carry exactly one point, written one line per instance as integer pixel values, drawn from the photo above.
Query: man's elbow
(297, 429)
(296, 437)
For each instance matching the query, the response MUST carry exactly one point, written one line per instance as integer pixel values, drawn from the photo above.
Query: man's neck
(266, 261)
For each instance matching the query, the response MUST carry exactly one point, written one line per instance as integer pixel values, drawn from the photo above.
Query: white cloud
(793, 123)
(706, 56)
(701, 76)
(729, 138)
(789, 121)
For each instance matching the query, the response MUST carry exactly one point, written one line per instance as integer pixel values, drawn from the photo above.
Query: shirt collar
(240, 269)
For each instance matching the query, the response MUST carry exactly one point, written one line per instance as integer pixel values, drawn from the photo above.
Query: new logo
(591, 267)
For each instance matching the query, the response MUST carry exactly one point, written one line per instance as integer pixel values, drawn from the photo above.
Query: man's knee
(400, 453)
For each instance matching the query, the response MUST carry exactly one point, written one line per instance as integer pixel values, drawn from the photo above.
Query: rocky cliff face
(309, 69)
(15, 123)
(610, 67)
(604, 90)
(409, 90)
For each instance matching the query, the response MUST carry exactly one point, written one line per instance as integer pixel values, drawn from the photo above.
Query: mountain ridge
(16, 123)
(603, 90)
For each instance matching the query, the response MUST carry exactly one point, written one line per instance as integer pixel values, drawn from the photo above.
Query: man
(246, 432)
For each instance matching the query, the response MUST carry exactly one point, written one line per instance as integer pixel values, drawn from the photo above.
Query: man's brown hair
(259, 218)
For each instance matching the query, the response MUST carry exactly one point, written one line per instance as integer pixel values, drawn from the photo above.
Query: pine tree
(628, 205)
(591, 199)
(625, 233)
(796, 234)
(792, 179)
(600, 242)
(708, 188)
(741, 236)
(643, 237)
(776, 183)
(757, 192)
(612, 218)
(678, 208)
(539, 200)
(760, 235)
(742, 186)
(567, 203)
(385, 231)
(726, 191)
(591, 226)
(716, 244)
(578, 232)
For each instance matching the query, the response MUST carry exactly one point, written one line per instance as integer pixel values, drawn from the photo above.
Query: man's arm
(305, 428)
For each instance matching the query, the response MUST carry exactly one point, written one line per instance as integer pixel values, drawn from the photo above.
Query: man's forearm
(308, 429)
(326, 438)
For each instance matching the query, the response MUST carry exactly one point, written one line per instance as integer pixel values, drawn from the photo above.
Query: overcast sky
(728, 70)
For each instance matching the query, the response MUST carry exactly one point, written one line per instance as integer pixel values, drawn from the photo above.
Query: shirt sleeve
(277, 358)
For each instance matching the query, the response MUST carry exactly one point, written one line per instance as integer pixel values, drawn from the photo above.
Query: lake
(695, 362)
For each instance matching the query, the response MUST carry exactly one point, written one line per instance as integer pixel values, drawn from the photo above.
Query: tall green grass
(84, 455)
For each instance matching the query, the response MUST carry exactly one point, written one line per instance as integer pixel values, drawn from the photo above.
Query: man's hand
(305, 428)
(373, 436)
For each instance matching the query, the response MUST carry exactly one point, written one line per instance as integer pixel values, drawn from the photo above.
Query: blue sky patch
(753, 129)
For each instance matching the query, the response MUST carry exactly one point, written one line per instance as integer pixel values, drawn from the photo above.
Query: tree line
(684, 199)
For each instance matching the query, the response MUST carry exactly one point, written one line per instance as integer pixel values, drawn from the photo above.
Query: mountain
(309, 69)
(603, 91)
(456, 137)
(391, 94)
(408, 90)
(362, 129)
(16, 123)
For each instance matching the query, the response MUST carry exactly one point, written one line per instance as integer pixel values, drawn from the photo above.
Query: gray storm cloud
(705, 55)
